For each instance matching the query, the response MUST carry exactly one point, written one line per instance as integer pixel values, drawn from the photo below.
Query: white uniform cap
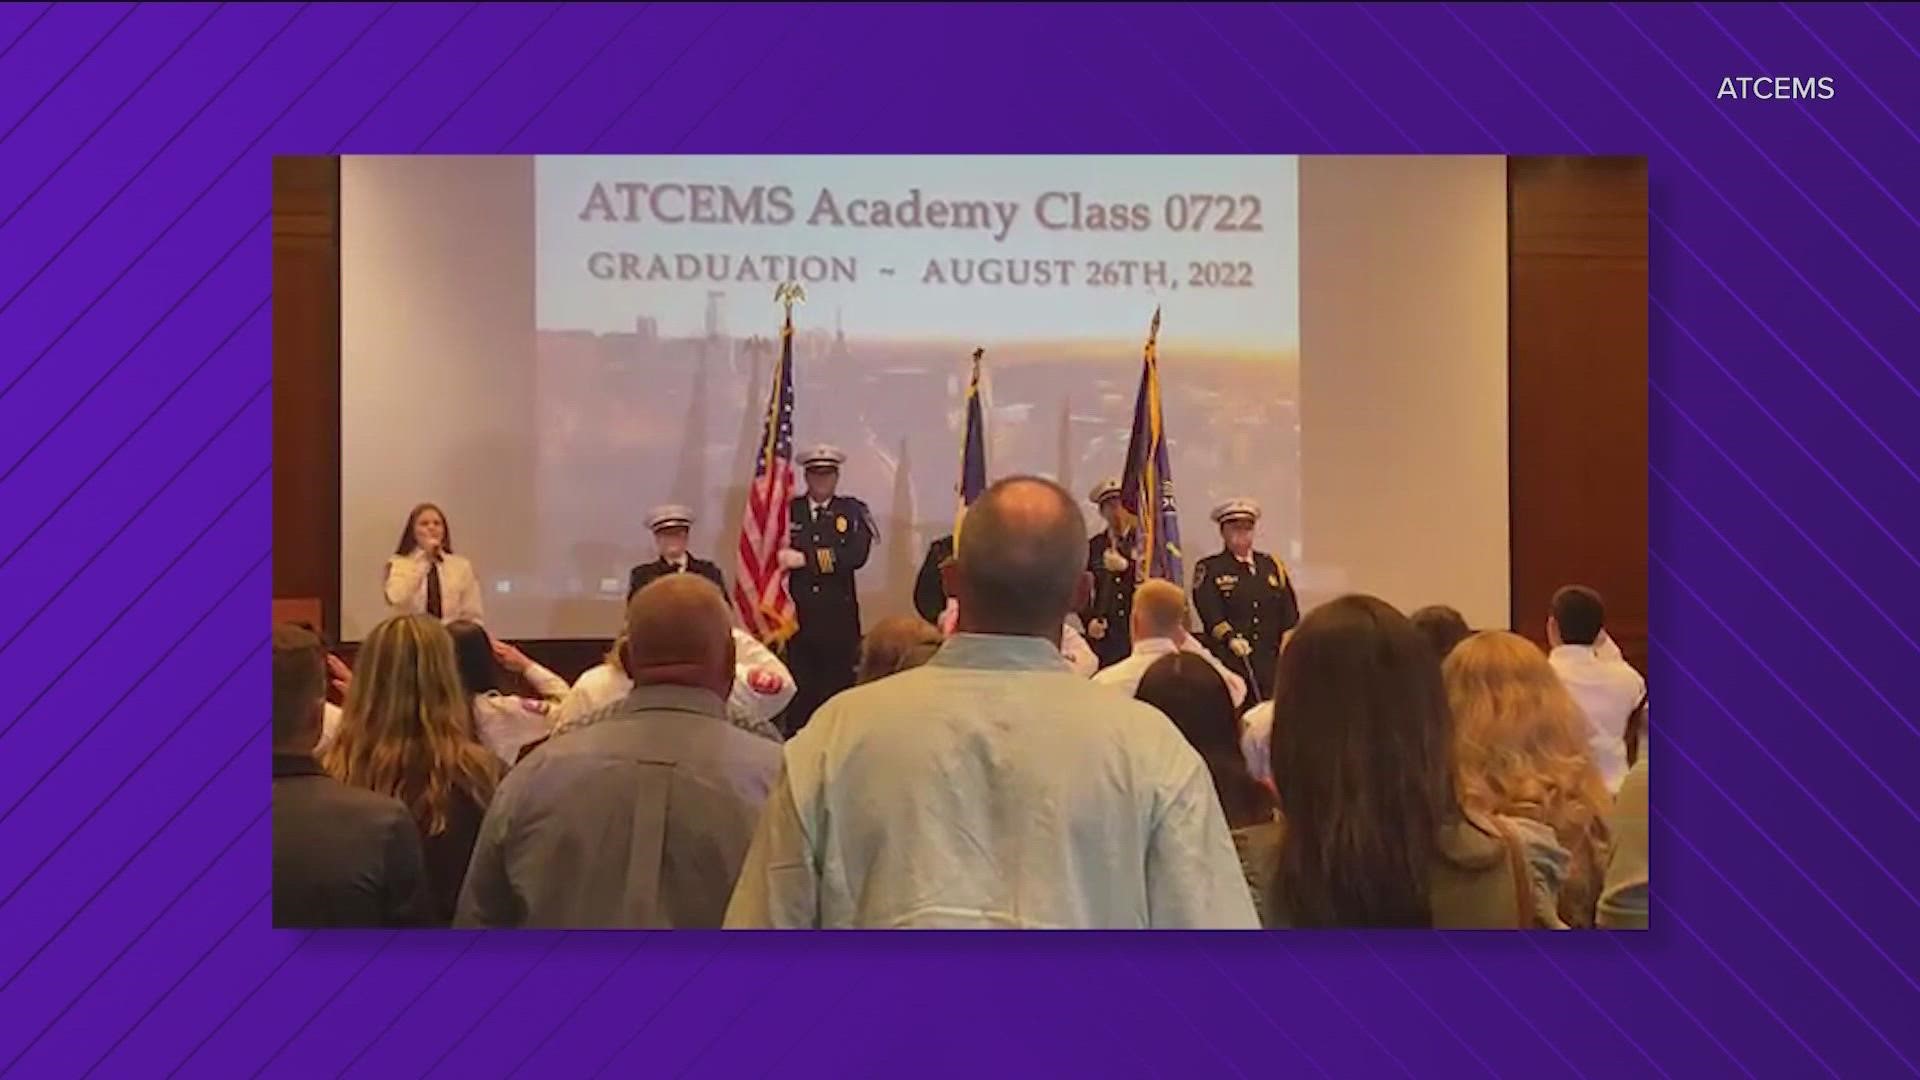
(823, 457)
(1104, 490)
(672, 516)
(1236, 510)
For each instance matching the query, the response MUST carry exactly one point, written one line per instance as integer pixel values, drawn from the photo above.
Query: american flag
(760, 583)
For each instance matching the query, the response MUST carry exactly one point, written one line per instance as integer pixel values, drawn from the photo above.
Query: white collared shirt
(1125, 676)
(1073, 644)
(406, 587)
(762, 686)
(507, 722)
(1256, 740)
(1608, 690)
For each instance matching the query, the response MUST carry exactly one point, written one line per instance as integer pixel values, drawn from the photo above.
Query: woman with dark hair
(1372, 831)
(424, 576)
(1194, 696)
(1442, 626)
(407, 732)
(504, 722)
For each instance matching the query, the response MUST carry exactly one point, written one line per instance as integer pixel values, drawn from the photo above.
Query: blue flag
(1146, 488)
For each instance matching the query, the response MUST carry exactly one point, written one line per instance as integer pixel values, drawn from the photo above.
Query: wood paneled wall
(1577, 387)
(306, 383)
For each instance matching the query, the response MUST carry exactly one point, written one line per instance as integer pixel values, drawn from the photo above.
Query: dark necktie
(433, 588)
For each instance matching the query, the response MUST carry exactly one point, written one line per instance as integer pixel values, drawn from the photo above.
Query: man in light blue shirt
(992, 787)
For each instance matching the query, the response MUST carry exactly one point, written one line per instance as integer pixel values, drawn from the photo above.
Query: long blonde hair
(1522, 751)
(407, 729)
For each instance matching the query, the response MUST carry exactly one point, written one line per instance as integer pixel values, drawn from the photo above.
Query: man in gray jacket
(640, 815)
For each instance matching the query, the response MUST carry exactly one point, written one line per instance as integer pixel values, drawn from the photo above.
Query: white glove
(792, 559)
(1239, 646)
(1114, 561)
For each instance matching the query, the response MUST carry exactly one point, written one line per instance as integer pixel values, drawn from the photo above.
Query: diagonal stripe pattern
(134, 453)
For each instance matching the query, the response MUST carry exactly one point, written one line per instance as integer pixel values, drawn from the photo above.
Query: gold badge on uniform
(1273, 580)
(840, 523)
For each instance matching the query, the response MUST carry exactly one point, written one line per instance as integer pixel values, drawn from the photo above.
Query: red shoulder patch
(762, 681)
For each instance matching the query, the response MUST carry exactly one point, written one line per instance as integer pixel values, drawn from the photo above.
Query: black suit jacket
(929, 595)
(342, 857)
(643, 575)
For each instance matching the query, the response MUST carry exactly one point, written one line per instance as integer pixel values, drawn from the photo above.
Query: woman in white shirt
(762, 686)
(425, 576)
(503, 722)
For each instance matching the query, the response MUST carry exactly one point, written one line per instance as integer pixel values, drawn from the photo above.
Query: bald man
(992, 787)
(1159, 626)
(639, 815)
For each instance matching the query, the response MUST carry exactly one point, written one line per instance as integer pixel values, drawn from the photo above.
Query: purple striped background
(134, 468)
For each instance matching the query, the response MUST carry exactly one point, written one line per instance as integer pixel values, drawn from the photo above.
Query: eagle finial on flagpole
(788, 294)
(1153, 331)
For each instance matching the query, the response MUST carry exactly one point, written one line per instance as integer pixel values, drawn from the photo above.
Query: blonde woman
(407, 731)
(1522, 752)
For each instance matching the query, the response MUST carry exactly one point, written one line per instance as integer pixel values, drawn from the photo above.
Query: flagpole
(1149, 502)
(968, 403)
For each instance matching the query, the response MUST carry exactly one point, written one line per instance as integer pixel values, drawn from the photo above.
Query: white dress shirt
(1608, 690)
(1256, 740)
(1073, 644)
(991, 788)
(507, 722)
(406, 587)
(329, 728)
(762, 686)
(1125, 676)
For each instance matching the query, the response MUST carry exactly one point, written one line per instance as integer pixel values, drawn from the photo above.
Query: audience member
(929, 591)
(762, 686)
(341, 856)
(1373, 831)
(1608, 689)
(1157, 627)
(894, 645)
(407, 732)
(1521, 748)
(990, 787)
(1188, 688)
(1442, 626)
(504, 722)
(640, 815)
(1074, 649)
(1623, 898)
(1256, 741)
